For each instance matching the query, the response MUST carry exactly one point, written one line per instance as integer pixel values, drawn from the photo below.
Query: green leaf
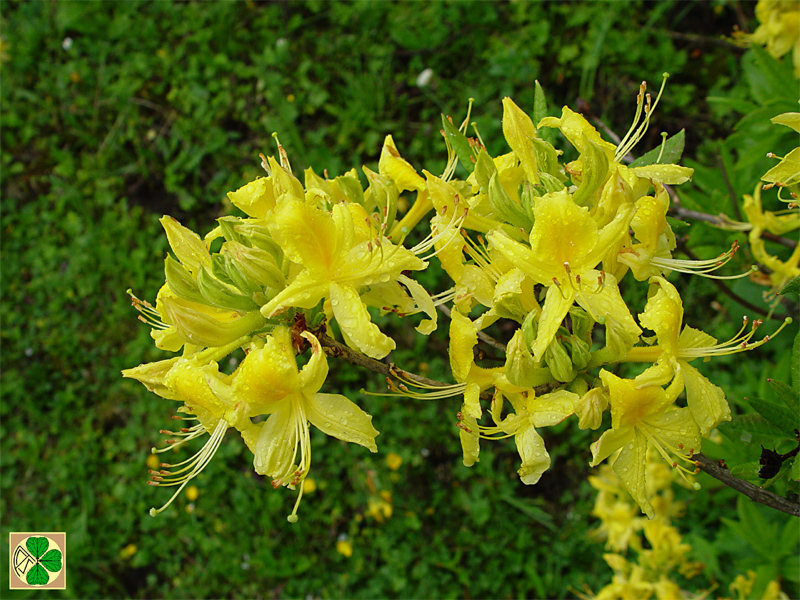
(742, 428)
(793, 287)
(777, 415)
(52, 561)
(796, 468)
(37, 576)
(673, 150)
(37, 546)
(790, 398)
(539, 102)
(737, 104)
(458, 141)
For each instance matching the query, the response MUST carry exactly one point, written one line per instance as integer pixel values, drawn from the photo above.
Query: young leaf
(540, 112)
(673, 150)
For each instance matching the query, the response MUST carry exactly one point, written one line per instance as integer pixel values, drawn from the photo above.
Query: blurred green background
(114, 113)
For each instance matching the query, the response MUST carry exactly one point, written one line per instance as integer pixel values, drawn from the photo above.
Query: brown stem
(750, 490)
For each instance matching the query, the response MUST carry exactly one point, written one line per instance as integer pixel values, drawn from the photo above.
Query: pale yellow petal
(355, 322)
(335, 415)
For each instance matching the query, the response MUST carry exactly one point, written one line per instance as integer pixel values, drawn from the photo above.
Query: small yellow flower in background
(344, 547)
(192, 493)
(153, 462)
(290, 98)
(128, 551)
(393, 461)
(309, 486)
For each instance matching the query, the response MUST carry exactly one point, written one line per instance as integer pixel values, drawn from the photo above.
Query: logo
(38, 560)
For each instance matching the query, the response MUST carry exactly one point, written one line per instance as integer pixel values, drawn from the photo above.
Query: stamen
(194, 466)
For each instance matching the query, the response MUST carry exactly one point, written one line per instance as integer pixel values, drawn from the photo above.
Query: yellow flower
(565, 247)
(268, 382)
(340, 253)
(642, 415)
(345, 548)
(675, 349)
(779, 29)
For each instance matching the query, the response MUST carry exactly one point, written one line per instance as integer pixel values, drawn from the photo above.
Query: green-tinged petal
(611, 441)
(659, 374)
(551, 409)
(424, 302)
(691, 338)
(335, 415)
(470, 442)
(630, 465)
(590, 408)
(152, 376)
(355, 322)
(790, 119)
(206, 326)
(275, 449)
(286, 186)
(250, 433)
(535, 459)
(706, 401)
(189, 249)
(256, 198)
(600, 296)
(190, 381)
(305, 291)
(668, 174)
(475, 282)
(472, 393)
(463, 337)
(556, 306)
(306, 234)
(518, 130)
(521, 369)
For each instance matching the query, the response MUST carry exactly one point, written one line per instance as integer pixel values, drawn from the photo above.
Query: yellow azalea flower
(268, 382)
(565, 246)
(531, 411)
(340, 253)
(778, 224)
(197, 382)
(779, 29)
(675, 349)
(629, 581)
(654, 236)
(643, 415)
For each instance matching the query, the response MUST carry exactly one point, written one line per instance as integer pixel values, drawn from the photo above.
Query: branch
(721, 473)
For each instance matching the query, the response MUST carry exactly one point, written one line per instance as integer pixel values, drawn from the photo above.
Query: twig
(750, 490)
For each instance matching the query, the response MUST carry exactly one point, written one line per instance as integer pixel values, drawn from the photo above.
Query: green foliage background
(163, 107)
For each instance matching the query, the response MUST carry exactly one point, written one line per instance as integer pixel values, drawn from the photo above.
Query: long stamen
(148, 314)
(738, 343)
(194, 466)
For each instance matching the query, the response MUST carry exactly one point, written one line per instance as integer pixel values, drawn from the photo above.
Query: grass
(116, 113)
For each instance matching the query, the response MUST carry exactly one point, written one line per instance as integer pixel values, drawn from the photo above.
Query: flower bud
(207, 326)
(189, 249)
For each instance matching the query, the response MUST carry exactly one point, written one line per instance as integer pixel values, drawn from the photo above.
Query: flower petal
(337, 416)
(355, 322)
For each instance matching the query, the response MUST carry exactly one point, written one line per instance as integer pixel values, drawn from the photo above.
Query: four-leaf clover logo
(45, 559)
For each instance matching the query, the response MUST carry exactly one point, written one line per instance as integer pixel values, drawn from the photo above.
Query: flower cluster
(524, 237)
(662, 556)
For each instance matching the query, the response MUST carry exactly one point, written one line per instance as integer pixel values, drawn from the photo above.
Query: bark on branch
(750, 490)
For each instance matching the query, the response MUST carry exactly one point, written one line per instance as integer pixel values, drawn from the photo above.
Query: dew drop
(384, 277)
